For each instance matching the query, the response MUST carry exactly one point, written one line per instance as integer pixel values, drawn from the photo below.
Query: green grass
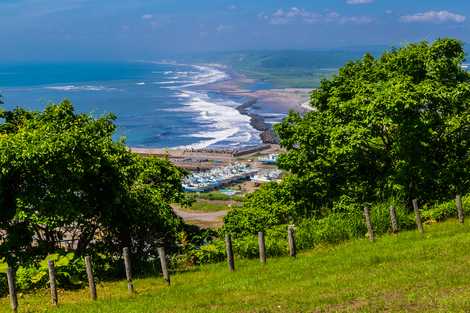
(403, 273)
(217, 195)
(212, 206)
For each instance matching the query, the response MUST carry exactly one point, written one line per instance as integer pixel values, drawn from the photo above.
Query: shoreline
(255, 104)
(279, 101)
(258, 122)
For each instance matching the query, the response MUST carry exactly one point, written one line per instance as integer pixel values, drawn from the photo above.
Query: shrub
(444, 210)
(69, 272)
(209, 253)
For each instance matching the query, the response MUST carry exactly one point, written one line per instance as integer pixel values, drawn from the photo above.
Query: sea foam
(80, 88)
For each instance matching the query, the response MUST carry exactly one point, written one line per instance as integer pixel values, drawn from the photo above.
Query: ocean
(157, 105)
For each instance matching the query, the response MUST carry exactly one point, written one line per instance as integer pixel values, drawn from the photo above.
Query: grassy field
(403, 273)
(213, 206)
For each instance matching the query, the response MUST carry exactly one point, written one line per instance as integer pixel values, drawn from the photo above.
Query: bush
(263, 209)
(209, 253)
(444, 210)
(345, 224)
(69, 272)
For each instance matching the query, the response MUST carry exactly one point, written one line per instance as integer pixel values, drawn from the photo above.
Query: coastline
(254, 104)
(280, 101)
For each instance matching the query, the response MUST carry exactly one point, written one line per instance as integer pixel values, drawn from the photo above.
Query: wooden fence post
(12, 289)
(162, 256)
(52, 282)
(91, 279)
(370, 230)
(262, 247)
(458, 201)
(393, 219)
(127, 265)
(291, 240)
(418, 216)
(229, 248)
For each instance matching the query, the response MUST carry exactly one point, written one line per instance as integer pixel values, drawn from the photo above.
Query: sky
(33, 30)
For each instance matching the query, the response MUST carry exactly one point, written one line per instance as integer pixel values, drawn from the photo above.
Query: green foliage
(395, 126)
(63, 176)
(344, 224)
(216, 195)
(443, 210)
(209, 253)
(267, 207)
(70, 272)
(400, 273)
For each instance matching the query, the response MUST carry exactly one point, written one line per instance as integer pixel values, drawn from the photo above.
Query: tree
(63, 177)
(395, 126)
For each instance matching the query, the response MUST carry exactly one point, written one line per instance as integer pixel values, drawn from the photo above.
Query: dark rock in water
(257, 122)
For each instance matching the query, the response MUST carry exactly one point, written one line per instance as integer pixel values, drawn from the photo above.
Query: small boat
(269, 159)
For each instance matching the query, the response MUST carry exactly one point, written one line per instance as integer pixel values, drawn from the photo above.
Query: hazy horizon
(82, 30)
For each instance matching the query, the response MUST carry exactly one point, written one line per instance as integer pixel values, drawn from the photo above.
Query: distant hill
(285, 68)
(290, 68)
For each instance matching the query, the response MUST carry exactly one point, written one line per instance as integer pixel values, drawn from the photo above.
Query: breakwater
(267, 135)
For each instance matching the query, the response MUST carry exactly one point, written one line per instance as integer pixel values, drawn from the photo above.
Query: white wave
(222, 122)
(206, 75)
(171, 82)
(80, 88)
(140, 84)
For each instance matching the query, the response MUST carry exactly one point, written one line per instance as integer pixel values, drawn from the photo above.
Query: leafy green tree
(62, 177)
(269, 206)
(395, 126)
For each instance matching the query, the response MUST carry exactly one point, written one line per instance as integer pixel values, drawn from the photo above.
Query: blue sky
(143, 29)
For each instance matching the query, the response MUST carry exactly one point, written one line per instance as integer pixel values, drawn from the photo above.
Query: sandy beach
(280, 100)
(262, 101)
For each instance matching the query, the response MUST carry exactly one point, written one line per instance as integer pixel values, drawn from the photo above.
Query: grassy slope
(407, 272)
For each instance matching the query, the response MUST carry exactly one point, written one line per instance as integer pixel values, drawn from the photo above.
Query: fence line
(162, 256)
(460, 213)
(12, 289)
(229, 248)
(393, 219)
(291, 240)
(52, 283)
(418, 216)
(229, 251)
(262, 247)
(91, 279)
(127, 265)
(370, 229)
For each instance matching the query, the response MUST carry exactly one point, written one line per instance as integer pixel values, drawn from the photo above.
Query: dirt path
(202, 219)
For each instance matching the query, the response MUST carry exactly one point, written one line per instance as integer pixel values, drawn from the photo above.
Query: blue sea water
(157, 105)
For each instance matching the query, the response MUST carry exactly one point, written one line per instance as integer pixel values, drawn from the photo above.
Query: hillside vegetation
(406, 272)
(383, 130)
